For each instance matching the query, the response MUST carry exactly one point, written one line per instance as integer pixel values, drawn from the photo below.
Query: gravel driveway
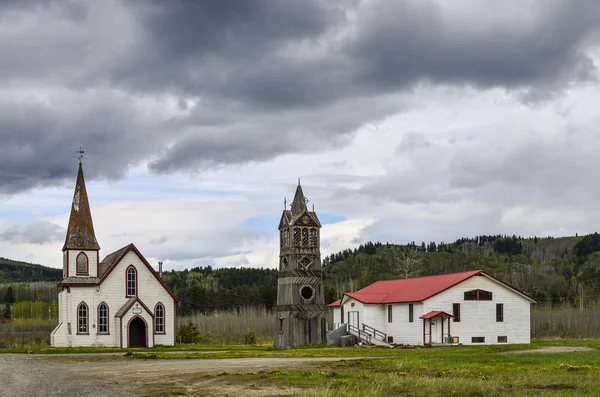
(33, 376)
(110, 375)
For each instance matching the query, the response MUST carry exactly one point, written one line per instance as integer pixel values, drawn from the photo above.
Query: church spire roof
(299, 203)
(80, 231)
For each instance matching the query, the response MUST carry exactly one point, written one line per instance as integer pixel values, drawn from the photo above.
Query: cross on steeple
(79, 155)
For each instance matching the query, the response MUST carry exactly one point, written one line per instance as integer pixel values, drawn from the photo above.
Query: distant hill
(14, 271)
(562, 271)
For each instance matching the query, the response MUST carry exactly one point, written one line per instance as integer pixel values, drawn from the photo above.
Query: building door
(354, 318)
(137, 333)
(436, 329)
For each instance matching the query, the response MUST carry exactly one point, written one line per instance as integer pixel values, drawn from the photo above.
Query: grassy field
(438, 371)
(451, 371)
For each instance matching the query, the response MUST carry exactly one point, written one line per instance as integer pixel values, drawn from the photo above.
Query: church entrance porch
(137, 332)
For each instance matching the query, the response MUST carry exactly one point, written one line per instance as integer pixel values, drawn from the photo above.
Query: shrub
(188, 333)
(250, 337)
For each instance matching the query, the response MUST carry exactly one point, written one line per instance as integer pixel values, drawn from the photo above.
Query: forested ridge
(15, 271)
(556, 271)
(562, 271)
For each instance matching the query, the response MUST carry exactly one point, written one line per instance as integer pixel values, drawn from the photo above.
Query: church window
(281, 325)
(82, 263)
(296, 237)
(159, 318)
(286, 237)
(131, 281)
(82, 318)
(305, 237)
(103, 318)
(307, 293)
(478, 295)
(314, 237)
(305, 263)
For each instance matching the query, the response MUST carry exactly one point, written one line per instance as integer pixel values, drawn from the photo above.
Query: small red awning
(436, 313)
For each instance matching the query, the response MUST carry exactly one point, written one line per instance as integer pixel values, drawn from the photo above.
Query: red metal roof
(409, 289)
(337, 303)
(436, 313)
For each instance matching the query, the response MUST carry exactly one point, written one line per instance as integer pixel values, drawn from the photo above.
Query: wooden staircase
(369, 335)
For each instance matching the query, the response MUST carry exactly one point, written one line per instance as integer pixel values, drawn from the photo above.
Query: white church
(120, 301)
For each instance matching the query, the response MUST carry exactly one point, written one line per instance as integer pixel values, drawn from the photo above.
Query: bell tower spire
(300, 301)
(81, 249)
(80, 231)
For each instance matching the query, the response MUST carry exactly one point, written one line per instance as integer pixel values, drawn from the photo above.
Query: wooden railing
(365, 337)
(375, 332)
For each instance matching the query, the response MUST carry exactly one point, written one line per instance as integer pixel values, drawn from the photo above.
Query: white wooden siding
(112, 292)
(478, 318)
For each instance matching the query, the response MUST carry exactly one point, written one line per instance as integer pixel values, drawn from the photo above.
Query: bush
(250, 337)
(188, 333)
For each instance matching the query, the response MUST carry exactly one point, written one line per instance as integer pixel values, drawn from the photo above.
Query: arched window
(159, 318)
(103, 318)
(131, 281)
(82, 264)
(82, 318)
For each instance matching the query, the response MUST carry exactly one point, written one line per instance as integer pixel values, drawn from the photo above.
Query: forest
(562, 271)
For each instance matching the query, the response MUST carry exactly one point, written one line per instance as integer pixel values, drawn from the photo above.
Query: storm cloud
(193, 86)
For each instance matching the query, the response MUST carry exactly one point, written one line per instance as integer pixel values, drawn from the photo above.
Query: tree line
(561, 271)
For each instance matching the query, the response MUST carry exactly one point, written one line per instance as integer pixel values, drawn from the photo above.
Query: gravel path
(109, 375)
(554, 349)
(32, 376)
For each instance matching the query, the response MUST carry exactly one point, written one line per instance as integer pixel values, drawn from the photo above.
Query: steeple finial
(79, 155)
(80, 231)
(298, 181)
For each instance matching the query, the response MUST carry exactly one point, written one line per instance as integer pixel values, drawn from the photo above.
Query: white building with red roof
(469, 308)
(120, 301)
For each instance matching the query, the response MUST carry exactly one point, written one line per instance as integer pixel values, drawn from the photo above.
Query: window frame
(87, 264)
(499, 312)
(135, 282)
(83, 319)
(478, 339)
(162, 318)
(502, 339)
(411, 313)
(389, 313)
(478, 296)
(100, 332)
(456, 312)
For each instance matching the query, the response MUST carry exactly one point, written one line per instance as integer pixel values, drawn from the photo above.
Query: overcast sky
(405, 120)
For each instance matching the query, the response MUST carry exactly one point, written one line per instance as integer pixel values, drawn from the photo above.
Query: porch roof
(436, 313)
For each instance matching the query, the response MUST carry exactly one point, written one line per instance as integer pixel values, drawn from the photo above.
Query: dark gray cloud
(191, 85)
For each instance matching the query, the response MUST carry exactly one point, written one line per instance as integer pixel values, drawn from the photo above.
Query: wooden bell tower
(300, 301)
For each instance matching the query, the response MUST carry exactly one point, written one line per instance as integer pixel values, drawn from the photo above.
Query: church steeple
(80, 231)
(299, 203)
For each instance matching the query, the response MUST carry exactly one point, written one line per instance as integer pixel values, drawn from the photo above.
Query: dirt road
(109, 375)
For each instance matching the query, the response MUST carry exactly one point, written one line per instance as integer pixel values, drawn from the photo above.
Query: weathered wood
(300, 309)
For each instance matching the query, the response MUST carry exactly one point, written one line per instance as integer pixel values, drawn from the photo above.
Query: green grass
(464, 371)
(453, 371)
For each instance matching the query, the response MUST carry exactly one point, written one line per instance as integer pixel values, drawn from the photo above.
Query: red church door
(137, 333)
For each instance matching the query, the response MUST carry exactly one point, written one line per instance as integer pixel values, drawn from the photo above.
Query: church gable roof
(80, 230)
(111, 261)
